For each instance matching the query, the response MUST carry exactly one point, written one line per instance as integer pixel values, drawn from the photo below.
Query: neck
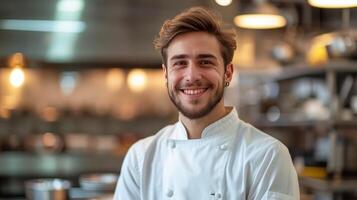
(195, 127)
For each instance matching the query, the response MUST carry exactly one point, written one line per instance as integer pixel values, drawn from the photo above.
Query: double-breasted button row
(169, 193)
(222, 147)
(216, 195)
(172, 144)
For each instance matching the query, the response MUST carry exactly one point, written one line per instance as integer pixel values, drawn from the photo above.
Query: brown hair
(194, 20)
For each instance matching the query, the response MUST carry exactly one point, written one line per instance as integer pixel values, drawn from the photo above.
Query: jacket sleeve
(273, 175)
(128, 187)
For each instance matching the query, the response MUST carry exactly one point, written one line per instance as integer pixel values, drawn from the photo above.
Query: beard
(195, 114)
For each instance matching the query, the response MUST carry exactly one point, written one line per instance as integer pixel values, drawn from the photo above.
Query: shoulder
(259, 144)
(145, 148)
(271, 171)
(145, 145)
(271, 174)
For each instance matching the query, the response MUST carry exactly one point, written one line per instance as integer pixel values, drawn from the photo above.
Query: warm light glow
(127, 111)
(49, 140)
(17, 77)
(115, 78)
(137, 80)
(223, 2)
(333, 3)
(4, 113)
(259, 21)
(50, 114)
(10, 101)
(16, 60)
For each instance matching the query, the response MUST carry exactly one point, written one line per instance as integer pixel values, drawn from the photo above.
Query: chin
(195, 113)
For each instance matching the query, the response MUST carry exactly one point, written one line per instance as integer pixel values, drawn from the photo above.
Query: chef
(209, 153)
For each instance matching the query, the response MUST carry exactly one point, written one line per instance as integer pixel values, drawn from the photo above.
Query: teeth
(193, 92)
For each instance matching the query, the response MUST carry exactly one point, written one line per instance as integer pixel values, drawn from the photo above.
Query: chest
(195, 170)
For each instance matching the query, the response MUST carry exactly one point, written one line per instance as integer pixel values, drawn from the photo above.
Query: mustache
(197, 83)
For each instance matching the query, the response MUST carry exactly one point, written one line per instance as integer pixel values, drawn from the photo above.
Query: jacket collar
(221, 126)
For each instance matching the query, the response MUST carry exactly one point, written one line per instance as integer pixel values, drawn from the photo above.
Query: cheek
(173, 78)
(172, 81)
(215, 78)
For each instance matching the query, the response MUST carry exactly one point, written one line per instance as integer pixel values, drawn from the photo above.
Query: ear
(164, 70)
(229, 73)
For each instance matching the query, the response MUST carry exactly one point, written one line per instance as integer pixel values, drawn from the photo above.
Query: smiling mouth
(194, 91)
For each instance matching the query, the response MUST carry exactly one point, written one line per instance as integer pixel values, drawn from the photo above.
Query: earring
(227, 84)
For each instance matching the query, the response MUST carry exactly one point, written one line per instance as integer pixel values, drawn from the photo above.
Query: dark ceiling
(117, 33)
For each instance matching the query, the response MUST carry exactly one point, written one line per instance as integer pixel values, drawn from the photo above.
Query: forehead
(194, 44)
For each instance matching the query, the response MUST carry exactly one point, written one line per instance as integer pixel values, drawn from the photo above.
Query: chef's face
(195, 74)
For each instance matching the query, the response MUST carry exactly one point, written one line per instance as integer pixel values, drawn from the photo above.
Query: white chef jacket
(231, 161)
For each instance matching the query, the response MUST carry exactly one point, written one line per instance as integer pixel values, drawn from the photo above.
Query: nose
(193, 73)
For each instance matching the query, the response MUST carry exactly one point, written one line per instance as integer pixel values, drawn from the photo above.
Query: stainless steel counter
(19, 164)
(18, 167)
(77, 194)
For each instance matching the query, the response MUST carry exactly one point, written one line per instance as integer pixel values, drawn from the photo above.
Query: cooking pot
(283, 53)
(342, 45)
(98, 182)
(47, 189)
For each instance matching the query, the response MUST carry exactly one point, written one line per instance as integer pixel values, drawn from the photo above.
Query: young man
(209, 153)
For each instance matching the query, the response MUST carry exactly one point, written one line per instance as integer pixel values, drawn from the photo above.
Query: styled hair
(197, 19)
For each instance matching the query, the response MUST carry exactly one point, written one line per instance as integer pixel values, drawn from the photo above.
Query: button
(172, 144)
(218, 195)
(169, 193)
(223, 147)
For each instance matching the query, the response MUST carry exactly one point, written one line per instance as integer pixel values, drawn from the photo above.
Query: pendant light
(333, 3)
(261, 15)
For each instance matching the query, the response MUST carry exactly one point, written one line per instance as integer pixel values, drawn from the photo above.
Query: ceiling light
(259, 21)
(224, 2)
(260, 16)
(43, 25)
(333, 3)
(70, 5)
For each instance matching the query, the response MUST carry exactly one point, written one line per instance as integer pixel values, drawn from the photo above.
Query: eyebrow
(179, 56)
(206, 56)
(182, 56)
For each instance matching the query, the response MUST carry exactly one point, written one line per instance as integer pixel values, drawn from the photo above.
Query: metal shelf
(287, 123)
(332, 74)
(21, 164)
(345, 123)
(335, 185)
(304, 70)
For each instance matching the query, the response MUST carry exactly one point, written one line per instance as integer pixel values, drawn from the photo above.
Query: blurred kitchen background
(80, 82)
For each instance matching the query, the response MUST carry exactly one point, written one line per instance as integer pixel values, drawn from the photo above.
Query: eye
(180, 63)
(205, 62)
